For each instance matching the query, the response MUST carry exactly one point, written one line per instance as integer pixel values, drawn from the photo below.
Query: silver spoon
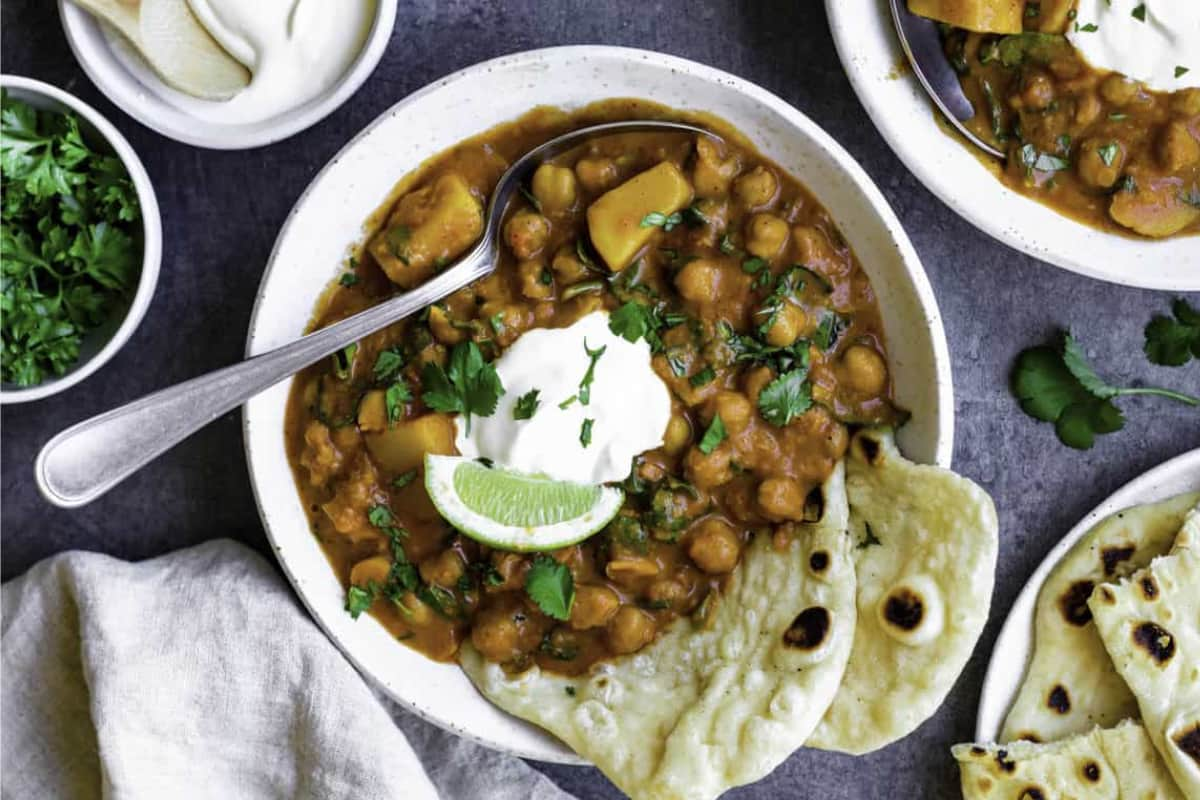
(86, 460)
(923, 45)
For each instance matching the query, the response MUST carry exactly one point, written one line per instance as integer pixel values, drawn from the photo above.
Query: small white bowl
(101, 343)
(329, 217)
(871, 55)
(125, 79)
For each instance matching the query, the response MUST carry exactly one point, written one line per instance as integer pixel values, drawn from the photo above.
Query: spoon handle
(86, 460)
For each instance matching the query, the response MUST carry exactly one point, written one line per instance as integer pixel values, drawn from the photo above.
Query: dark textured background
(221, 212)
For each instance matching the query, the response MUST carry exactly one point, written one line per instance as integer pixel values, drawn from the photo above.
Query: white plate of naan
(1085, 652)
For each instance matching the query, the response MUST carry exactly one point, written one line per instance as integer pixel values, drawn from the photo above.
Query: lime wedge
(512, 511)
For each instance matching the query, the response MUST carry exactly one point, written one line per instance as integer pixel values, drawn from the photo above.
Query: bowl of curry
(783, 243)
(1102, 144)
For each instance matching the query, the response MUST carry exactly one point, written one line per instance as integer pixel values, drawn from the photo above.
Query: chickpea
(371, 570)
(1088, 109)
(554, 187)
(1177, 147)
(527, 232)
(1186, 102)
(596, 174)
(416, 614)
(812, 246)
(537, 280)
(714, 546)
(594, 607)
(756, 188)
(496, 634)
(734, 409)
(864, 370)
(679, 433)
(630, 630)
(511, 567)
(441, 327)
(698, 281)
(1119, 90)
(766, 235)
(708, 471)
(444, 569)
(567, 266)
(713, 173)
(1038, 91)
(667, 592)
(1100, 162)
(755, 381)
(781, 498)
(787, 326)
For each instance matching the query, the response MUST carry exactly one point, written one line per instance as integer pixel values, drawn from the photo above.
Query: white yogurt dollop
(295, 50)
(629, 405)
(1160, 47)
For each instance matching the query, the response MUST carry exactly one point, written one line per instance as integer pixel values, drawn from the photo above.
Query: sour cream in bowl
(1156, 42)
(305, 58)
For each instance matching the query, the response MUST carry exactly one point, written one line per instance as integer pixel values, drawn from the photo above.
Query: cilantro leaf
(387, 364)
(585, 385)
(469, 386)
(550, 585)
(585, 432)
(1174, 342)
(786, 397)
(713, 436)
(527, 405)
(633, 321)
(359, 599)
(1055, 383)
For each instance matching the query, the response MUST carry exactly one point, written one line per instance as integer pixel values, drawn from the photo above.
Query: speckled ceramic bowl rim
(151, 236)
(1014, 645)
(120, 85)
(270, 475)
(874, 62)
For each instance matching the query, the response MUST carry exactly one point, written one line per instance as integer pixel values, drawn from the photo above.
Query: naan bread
(1105, 764)
(1070, 685)
(1150, 625)
(923, 592)
(700, 711)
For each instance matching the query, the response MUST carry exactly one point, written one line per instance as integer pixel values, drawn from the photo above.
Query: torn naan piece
(707, 707)
(1070, 684)
(1104, 764)
(925, 560)
(1150, 625)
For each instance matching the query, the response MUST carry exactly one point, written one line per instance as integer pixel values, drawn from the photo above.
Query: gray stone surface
(221, 212)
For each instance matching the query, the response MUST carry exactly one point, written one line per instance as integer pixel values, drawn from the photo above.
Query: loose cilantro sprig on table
(550, 585)
(1055, 383)
(469, 386)
(1172, 342)
(69, 240)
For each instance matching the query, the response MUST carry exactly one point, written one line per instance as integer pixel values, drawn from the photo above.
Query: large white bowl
(101, 343)
(871, 55)
(125, 79)
(329, 217)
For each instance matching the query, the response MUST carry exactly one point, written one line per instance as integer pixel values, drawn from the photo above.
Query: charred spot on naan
(1059, 700)
(869, 449)
(1149, 587)
(809, 630)
(1155, 640)
(904, 608)
(1004, 762)
(1188, 742)
(1091, 771)
(814, 505)
(818, 561)
(1112, 556)
(1032, 793)
(1073, 603)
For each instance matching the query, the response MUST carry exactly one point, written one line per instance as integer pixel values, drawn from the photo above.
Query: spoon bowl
(90, 458)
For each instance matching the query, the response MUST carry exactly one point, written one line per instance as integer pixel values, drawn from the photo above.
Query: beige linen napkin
(197, 675)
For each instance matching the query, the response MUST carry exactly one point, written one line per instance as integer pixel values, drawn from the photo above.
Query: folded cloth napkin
(197, 675)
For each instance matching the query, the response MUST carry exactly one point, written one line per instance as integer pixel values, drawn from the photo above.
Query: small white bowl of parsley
(80, 240)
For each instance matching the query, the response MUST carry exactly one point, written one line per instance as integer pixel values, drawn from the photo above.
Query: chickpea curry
(1093, 144)
(760, 322)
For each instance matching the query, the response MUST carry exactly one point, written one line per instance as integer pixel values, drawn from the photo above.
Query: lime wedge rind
(511, 511)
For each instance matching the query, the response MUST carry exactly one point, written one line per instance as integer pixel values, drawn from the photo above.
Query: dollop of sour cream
(629, 405)
(1156, 42)
(295, 50)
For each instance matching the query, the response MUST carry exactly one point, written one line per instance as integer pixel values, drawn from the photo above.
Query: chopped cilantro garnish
(786, 397)
(585, 432)
(1108, 153)
(703, 377)
(585, 385)
(713, 436)
(387, 364)
(404, 479)
(550, 585)
(394, 399)
(359, 599)
(656, 219)
(469, 386)
(1139, 13)
(527, 405)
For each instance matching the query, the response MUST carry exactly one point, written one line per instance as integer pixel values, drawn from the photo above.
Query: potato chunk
(1156, 209)
(985, 16)
(403, 446)
(615, 219)
(430, 226)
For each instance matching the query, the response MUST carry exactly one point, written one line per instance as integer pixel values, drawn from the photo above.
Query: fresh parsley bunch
(69, 240)
(1055, 383)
